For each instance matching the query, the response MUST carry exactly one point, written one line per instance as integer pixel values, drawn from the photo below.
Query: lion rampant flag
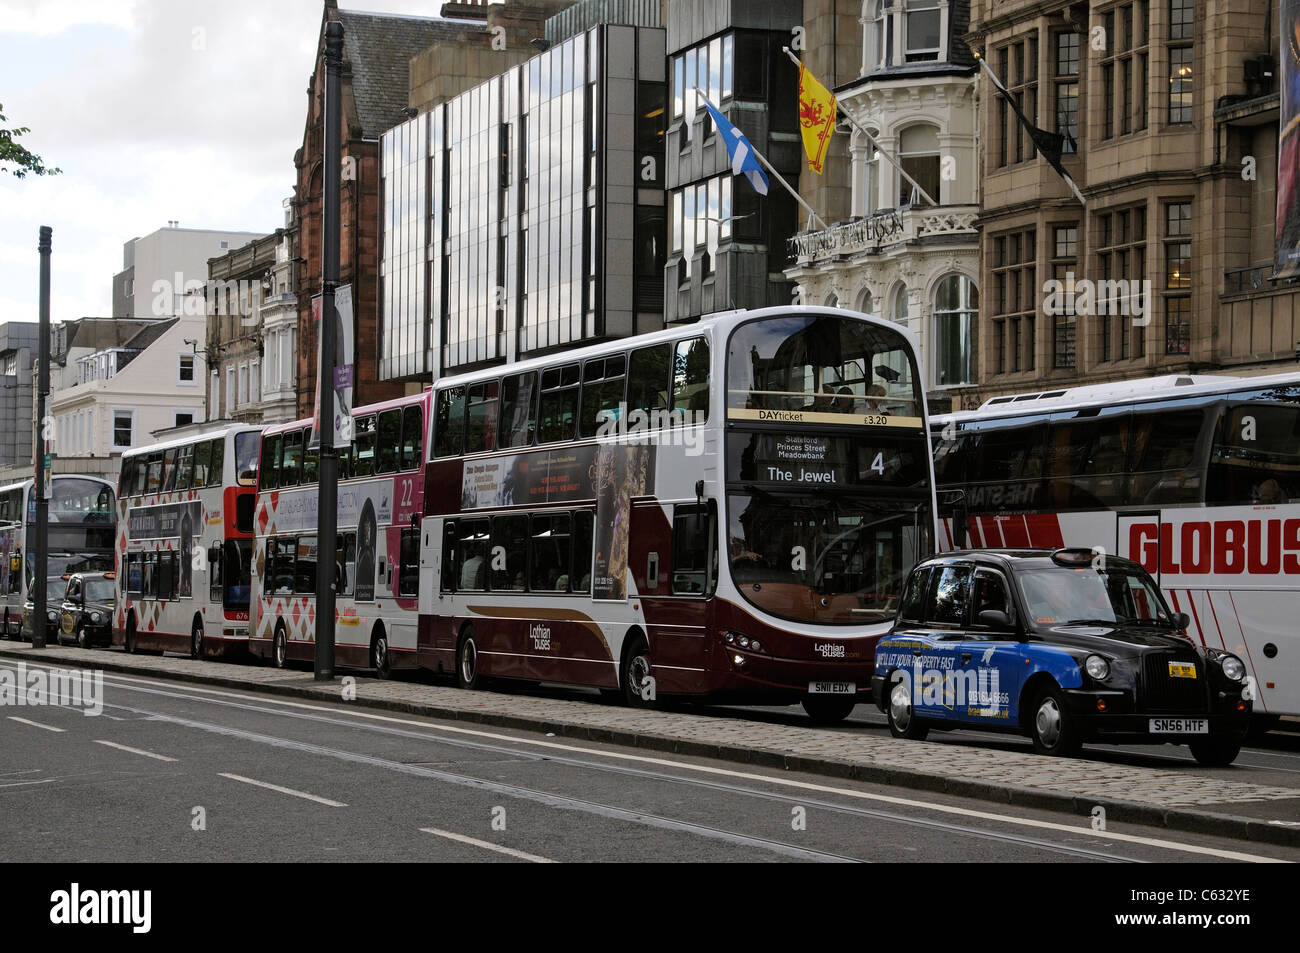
(816, 118)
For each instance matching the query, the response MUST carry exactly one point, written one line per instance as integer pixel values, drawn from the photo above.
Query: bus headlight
(1232, 667)
(1096, 667)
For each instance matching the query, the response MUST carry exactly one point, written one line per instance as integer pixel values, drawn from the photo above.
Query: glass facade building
(527, 214)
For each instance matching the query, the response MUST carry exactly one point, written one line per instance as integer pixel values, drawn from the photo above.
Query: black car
(1065, 646)
(54, 589)
(86, 616)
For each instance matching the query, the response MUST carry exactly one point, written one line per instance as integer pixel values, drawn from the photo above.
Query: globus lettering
(1218, 547)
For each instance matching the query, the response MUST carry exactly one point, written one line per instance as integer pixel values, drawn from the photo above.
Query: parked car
(86, 616)
(55, 586)
(1062, 646)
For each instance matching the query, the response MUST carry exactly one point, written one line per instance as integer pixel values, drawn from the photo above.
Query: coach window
(648, 376)
(691, 378)
(481, 427)
(449, 422)
(1163, 462)
(583, 523)
(1086, 460)
(291, 465)
(693, 564)
(412, 438)
(602, 393)
(154, 483)
(217, 461)
(363, 444)
(185, 467)
(1256, 457)
(518, 410)
(509, 553)
(133, 574)
(285, 551)
(472, 550)
(304, 569)
(408, 566)
(559, 403)
(549, 553)
(346, 549)
(390, 436)
(310, 460)
(270, 462)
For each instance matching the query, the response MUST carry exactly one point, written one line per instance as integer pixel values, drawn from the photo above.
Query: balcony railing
(881, 230)
(1238, 281)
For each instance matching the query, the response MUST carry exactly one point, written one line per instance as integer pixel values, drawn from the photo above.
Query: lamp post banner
(343, 368)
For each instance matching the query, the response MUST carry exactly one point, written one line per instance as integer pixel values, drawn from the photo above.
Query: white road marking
(139, 751)
(1072, 829)
(290, 791)
(34, 724)
(488, 845)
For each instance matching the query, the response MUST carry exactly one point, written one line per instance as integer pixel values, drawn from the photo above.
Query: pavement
(1184, 797)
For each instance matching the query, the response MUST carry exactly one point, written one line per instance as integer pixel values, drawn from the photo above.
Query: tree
(15, 155)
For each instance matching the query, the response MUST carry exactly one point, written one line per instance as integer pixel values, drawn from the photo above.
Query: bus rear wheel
(131, 647)
(638, 685)
(467, 661)
(379, 654)
(196, 640)
(280, 648)
(829, 709)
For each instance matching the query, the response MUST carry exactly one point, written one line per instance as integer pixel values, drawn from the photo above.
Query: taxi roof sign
(1076, 557)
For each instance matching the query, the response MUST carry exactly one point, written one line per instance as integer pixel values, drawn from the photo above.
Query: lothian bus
(380, 495)
(81, 518)
(724, 511)
(185, 541)
(1196, 477)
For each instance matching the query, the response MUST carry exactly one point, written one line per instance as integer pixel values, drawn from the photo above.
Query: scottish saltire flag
(743, 160)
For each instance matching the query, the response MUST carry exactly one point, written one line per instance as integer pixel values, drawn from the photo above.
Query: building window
(243, 385)
(1123, 70)
(921, 32)
(232, 388)
(1018, 70)
(1065, 253)
(901, 304)
(254, 382)
(1121, 266)
(956, 304)
(704, 71)
(214, 396)
(1015, 301)
(879, 51)
(701, 221)
(185, 372)
(1182, 19)
(182, 419)
(1178, 277)
(918, 154)
(11, 364)
(1067, 89)
(123, 428)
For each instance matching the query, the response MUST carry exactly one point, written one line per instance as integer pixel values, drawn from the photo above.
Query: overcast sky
(154, 110)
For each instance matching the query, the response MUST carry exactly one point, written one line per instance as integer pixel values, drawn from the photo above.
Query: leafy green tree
(14, 158)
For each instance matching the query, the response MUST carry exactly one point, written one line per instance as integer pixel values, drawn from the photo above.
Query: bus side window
(549, 553)
(602, 392)
(310, 459)
(185, 467)
(345, 461)
(270, 464)
(473, 554)
(412, 438)
(449, 422)
(363, 446)
(559, 404)
(216, 466)
(154, 483)
(304, 570)
(449, 550)
(125, 484)
(347, 570)
(408, 570)
(214, 577)
(691, 378)
(510, 534)
(481, 426)
(583, 525)
(518, 410)
(291, 465)
(150, 589)
(390, 435)
(286, 552)
(202, 459)
(648, 379)
(1163, 456)
(169, 470)
(133, 574)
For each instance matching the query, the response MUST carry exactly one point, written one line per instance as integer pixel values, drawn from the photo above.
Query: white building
(157, 267)
(895, 254)
(115, 383)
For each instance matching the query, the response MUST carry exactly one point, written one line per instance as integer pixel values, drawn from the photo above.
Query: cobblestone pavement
(958, 769)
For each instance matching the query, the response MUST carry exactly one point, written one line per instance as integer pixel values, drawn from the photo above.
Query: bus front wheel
(829, 709)
(196, 640)
(467, 661)
(638, 684)
(131, 647)
(379, 653)
(280, 648)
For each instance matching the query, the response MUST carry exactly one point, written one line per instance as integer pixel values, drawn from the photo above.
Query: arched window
(918, 154)
(956, 302)
(900, 304)
(864, 303)
(878, 44)
(832, 300)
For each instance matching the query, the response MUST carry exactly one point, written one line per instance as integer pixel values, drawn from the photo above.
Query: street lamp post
(40, 538)
(327, 522)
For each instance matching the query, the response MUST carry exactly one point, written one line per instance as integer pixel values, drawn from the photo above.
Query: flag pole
(871, 139)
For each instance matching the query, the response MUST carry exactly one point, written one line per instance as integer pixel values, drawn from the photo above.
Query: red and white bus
(725, 510)
(184, 543)
(380, 496)
(1195, 477)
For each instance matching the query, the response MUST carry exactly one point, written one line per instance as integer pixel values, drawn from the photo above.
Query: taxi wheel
(467, 661)
(903, 722)
(1053, 729)
(83, 640)
(1216, 752)
(829, 709)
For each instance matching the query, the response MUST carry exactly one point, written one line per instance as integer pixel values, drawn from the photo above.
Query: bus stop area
(1248, 801)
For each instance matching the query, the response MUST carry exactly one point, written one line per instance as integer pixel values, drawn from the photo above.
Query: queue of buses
(726, 511)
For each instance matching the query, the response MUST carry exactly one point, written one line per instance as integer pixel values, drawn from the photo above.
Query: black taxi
(1064, 646)
(86, 616)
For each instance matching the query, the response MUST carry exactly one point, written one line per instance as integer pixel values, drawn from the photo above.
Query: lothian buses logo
(666, 428)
